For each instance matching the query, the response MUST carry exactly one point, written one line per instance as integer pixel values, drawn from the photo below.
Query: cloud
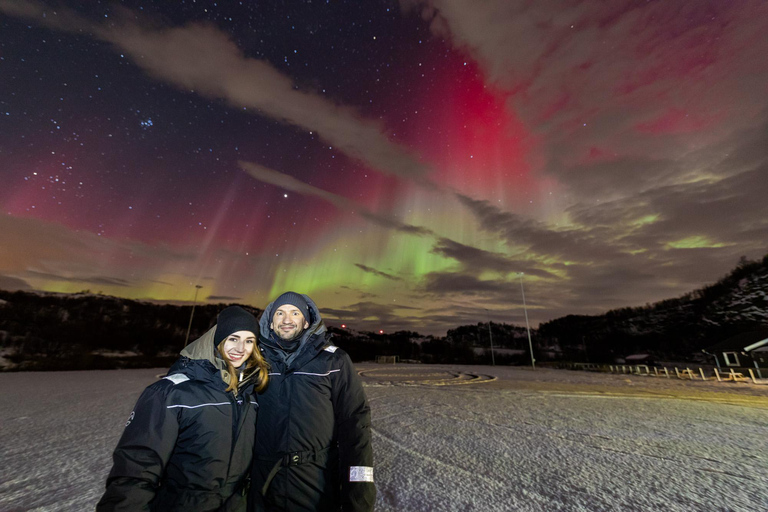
(287, 182)
(370, 316)
(284, 181)
(474, 260)
(223, 298)
(377, 272)
(455, 283)
(47, 251)
(99, 280)
(517, 231)
(721, 210)
(588, 55)
(202, 59)
(361, 294)
(12, 284)
(594, 79)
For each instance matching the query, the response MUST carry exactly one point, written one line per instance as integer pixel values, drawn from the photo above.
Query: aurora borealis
(400, 162)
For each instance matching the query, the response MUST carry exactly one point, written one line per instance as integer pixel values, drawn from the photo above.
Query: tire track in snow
(455, 378)
(410, 410)
(468, 475)
(753, 402)
(552, 432)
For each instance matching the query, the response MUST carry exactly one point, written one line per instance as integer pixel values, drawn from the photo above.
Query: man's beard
(296, 333)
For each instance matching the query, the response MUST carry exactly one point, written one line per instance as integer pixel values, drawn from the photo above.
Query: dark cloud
(517, 231)
(451, 283)
(287, 182)
(160, 282)
(377, 272)
(605, 180)
(223, 298)
(474, 260)
(393, 223)
(724, 212)
(371, 316)
(100, 280)
(12, 284)
(360, 294)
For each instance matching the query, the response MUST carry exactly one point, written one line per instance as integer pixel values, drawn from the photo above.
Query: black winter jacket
(314, 428)
(188, 444)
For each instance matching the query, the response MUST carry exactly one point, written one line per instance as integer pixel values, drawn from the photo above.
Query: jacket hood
(203, 349)
(315, 327)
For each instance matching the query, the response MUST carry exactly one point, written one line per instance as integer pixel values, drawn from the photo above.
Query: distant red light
(381, 332)
(343, 326)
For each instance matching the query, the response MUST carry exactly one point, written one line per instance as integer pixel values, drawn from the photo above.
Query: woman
(188, 444)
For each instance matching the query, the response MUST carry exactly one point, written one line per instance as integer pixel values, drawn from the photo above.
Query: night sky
(400, 162)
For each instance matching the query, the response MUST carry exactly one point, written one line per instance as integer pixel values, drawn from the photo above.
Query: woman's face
(238, 347)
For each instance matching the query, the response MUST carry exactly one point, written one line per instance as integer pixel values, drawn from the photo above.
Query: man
(313, 438)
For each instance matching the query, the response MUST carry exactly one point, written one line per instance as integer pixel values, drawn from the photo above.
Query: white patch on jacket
(360, 474)
(177, 378)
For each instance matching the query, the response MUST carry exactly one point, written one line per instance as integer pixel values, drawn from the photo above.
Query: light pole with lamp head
(527, 327)
(192, 314)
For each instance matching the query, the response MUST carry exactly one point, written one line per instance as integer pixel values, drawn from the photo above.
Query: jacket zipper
(237, 426)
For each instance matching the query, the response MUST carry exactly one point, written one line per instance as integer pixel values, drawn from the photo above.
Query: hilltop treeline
(674, 329)
(73, 331)
(56, 331)
(671, 329)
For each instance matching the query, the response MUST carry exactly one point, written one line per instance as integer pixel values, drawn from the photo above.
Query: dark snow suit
(188, 444)
(314, 435)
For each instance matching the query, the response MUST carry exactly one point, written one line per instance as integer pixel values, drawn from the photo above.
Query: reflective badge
(130, 418)
(331, 349)
(177, 378)
(360, 474)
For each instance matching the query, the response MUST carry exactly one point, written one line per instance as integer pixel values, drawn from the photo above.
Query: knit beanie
(233, 319)
(294, 299)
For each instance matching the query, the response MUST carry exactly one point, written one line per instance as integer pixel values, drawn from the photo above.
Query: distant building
(646, 359)
(503, 351)
(746, 350)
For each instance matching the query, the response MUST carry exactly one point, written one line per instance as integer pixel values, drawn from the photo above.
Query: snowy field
(446, 438)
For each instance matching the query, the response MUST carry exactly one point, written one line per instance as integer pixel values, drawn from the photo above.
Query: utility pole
(192, 314)
(490, 335)
(528, 327)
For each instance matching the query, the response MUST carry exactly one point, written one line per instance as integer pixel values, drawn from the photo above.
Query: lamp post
(192, 314)
(527, 327)
(490, 335)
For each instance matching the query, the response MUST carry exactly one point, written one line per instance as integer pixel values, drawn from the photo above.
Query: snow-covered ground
(446, 438)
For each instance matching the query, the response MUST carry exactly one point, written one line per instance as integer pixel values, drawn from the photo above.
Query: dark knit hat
(233, 319)
(294, 299)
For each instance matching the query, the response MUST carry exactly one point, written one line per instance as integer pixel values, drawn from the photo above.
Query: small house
(746, 350)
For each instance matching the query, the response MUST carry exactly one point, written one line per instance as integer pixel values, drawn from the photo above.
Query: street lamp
(528, 327)
(192, 314)
(490, 335)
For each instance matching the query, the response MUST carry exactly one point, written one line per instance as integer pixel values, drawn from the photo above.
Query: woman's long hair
(255, 366)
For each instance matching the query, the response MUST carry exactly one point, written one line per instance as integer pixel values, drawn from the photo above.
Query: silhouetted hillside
(674, 328)
(84, 331)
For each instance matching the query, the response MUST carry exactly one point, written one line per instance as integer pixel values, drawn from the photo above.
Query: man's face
(288, 322)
